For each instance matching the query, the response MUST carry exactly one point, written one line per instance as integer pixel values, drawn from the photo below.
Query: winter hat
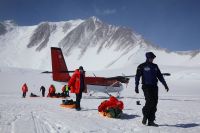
(80, 68)
(150, 55)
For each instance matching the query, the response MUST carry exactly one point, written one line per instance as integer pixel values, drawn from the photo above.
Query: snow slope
(178, 110)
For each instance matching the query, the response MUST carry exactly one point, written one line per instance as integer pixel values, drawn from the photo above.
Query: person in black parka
(150, 74)
(42, 88)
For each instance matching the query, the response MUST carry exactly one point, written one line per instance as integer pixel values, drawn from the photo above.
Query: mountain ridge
(84, 42)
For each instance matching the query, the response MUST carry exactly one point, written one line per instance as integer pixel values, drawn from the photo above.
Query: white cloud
(109, 11)
(105, 11)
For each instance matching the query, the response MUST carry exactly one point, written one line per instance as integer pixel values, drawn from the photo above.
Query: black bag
(114, 112)
(68, 102)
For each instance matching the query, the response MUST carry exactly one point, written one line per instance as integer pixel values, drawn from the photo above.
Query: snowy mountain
(91, 43)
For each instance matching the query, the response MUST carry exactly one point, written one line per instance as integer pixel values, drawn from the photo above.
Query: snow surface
(178, 110)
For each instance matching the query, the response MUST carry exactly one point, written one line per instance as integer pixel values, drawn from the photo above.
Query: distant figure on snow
(24, 90)
(42, 88)
(33, 95)
(65, 91)
(52, 91)
(150, 74)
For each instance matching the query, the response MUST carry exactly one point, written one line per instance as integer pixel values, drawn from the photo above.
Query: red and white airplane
(106, 85)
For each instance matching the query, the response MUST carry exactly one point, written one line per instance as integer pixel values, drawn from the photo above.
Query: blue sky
(171, 24)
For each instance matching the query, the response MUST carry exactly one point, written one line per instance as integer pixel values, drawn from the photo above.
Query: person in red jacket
(77, 85)
(111, 108)
(24, 90)
(113, 102)
(52, 91)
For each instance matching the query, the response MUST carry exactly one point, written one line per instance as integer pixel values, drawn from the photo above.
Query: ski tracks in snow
(21, 116)
(42, 125)
(8, 116)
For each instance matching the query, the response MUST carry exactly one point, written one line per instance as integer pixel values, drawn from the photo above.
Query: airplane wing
(122, 79)
(166, 74)
(125, 79)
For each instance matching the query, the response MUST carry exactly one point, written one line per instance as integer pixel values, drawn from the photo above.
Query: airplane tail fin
(59, 68)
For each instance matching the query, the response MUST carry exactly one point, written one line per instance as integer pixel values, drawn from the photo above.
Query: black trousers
(66, 93)
(43, 93)
(151, 98)
(24, 94)
(78, 100)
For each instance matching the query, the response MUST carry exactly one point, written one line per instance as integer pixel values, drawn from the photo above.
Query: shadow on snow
(188, 125)
(128, 117)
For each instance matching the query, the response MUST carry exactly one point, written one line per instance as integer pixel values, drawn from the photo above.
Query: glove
(166, 88)
(136, 89)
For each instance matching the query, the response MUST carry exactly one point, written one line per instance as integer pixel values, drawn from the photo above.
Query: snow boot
(78, 109)
(152, 124)
(144, 120)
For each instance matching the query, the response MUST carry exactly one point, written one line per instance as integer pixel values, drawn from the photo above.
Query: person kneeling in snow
(65, 91)
(52, 91)
(111, 108)
(33, 95)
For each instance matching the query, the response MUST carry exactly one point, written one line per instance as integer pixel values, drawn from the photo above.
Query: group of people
(150, 74)
(76, 85)
(51, 93)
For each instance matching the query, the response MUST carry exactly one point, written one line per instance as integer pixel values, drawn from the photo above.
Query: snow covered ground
(178, 110)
